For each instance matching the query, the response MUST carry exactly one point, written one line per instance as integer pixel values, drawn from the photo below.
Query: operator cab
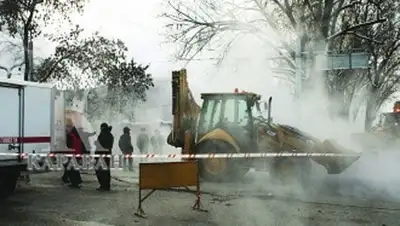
(227, 108)
(229, 111)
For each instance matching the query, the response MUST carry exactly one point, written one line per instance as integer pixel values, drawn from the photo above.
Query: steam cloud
(374, 175)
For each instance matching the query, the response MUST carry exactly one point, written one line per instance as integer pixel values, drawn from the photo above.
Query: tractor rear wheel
(291, 171)
(219, 169)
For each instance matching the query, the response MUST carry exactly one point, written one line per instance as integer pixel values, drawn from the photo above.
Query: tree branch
(365, 38)
(335, 15)
(351, 5)
(9, 70)
(53, 67)
(287, 9)
(310, 7)
(4, 68)
(355, 27)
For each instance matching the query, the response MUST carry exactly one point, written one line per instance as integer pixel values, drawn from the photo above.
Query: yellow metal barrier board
(161, 175)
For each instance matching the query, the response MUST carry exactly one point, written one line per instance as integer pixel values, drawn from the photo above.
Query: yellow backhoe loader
(235, 123)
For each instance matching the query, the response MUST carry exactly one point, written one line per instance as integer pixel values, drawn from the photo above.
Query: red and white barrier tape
(194, 156)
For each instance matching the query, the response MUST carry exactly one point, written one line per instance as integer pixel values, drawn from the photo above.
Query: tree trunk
(371, 111)
(26, 54)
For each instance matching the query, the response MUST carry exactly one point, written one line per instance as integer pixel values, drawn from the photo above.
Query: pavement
(350, 199)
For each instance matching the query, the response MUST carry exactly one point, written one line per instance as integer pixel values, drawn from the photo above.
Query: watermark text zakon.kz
(60, 162)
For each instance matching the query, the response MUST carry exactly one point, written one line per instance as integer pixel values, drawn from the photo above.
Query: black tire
(234, 169)
(8, 183)
(299, 172)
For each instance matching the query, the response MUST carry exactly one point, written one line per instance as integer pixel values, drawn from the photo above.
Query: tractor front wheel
(291, 171)
(220, 169)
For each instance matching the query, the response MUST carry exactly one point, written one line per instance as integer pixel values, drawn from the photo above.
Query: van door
(58, 140)
(11, 122)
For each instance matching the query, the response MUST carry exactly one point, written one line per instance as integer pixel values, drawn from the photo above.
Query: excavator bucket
(334, 164)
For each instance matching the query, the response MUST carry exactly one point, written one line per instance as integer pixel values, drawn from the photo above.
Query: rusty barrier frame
(165, 175)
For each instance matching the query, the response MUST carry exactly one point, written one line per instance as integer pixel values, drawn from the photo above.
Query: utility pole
(299, 67)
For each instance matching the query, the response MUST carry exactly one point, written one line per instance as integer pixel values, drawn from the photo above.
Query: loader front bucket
(334, 164)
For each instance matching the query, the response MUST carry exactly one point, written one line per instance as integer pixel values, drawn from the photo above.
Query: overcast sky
(136, 23)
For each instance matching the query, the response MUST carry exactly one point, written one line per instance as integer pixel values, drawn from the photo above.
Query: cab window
(243, 113)
(229, 114)
(216, 113)
(205, 116)
(211, 114)
(236, 112)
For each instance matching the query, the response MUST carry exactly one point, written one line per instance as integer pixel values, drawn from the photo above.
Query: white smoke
(245, 68)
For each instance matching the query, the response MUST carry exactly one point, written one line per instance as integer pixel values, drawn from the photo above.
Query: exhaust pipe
(269, 109)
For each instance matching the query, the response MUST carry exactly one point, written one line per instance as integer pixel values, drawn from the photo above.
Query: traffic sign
(344, 61)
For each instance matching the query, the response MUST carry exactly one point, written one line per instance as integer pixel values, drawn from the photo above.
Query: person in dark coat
(142, 141)
(104, 145)
(125, 144)
(74, 175)
(68, 136)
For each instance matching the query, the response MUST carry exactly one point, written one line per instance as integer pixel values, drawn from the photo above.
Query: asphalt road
(354, 198)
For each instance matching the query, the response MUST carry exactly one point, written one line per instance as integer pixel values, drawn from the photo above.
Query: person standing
(157, 142)
(142, 141)
(68, 136)
(161, 140)
(125, 144)
(74, 175)
(85, 139)
(104, 145)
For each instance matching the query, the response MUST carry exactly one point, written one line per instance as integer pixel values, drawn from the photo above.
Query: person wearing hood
(74, 175)
(68, 137)
(125, 144)
(104, 145)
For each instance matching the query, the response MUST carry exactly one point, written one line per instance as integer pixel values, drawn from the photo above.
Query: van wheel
(220, 169)
(8, 182)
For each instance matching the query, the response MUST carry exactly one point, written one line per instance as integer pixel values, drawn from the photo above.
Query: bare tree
(384, 45)
(10, 48)
(26, 18)
(203, 24)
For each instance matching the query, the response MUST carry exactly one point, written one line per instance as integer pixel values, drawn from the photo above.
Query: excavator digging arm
(185, 110)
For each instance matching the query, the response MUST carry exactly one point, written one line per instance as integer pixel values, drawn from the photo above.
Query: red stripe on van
(25, 140)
